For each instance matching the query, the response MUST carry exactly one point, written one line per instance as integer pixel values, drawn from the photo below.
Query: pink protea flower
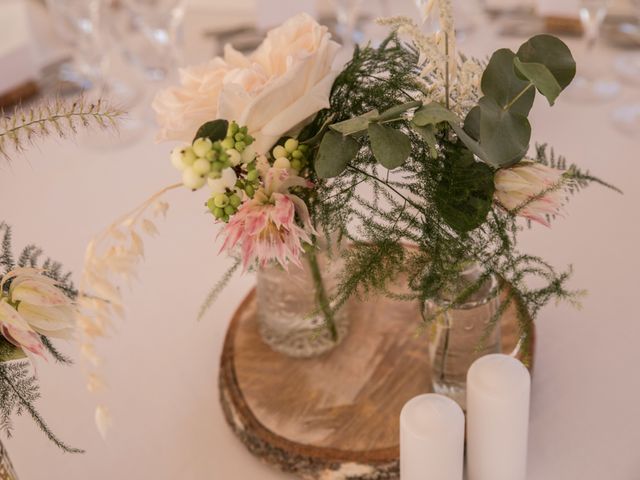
(517, 185)
(265, 226)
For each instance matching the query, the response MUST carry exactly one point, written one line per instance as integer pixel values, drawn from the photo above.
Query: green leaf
(501, 83)
(355, 125)
(465, 192)
(214, 130)
(335, 152)
(472, 123)
(504, 134)
(432, 114)
(435, 113)
(541, 77)
(397, 110)
(391, 147)
(428, 134)
(8, 351)
(551, 52)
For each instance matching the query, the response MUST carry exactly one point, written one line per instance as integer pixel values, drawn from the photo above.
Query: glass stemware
(153, 36)
(627, 117)
(347, 14)
(77, 23)
(591, 83)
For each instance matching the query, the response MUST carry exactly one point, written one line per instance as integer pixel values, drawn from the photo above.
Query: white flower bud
(282, 162)
(249, 154)
(188, 156)
(234, 156)
(176, 158)
(280, 152)
(201, 166)
(201, 146)
(191, 179)
(228, 180)
(291, 145)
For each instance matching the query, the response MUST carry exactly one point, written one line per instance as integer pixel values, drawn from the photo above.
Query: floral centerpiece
(410, 143)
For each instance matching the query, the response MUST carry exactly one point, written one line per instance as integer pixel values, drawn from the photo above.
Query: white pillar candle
(431, 439)
(498, 388)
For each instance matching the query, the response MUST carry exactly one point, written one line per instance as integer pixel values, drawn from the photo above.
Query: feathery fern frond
(58, 117)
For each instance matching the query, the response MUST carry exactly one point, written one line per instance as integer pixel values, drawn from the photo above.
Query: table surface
(162, 365)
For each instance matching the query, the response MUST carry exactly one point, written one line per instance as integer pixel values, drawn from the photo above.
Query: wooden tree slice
(334, 416)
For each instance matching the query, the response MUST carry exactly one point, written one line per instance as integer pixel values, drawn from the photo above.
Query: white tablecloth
(162, 365)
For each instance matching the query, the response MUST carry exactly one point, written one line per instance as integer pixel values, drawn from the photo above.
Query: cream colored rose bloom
(181, 110)
(288, 81)
(272, 91)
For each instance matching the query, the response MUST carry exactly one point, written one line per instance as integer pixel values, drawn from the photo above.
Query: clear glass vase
(293, 305)
(462, 333)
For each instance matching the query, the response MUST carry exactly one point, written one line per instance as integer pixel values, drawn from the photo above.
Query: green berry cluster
(223, 205)
(206, 159)
(250, 181)
(237, 138)
(292, 154)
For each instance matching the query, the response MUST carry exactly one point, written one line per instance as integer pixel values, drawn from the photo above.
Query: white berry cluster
(209, 161)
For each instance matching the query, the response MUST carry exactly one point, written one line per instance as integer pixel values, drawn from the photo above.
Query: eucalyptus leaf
(465, 192)
(428, 134)
(214, 130)
(432, 114)
(435, 113)
(355, 125)
(472, 123)
(334, 154)
(501, 83)
(551, 52)
(397, 110)
(472, 144)
(504, 134)
(541, 77)
(391, 147)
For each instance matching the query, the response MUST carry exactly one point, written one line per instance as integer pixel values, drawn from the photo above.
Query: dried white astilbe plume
(447, 77)
(63, 118)
(111, 259)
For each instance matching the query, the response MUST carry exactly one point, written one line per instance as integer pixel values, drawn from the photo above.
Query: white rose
(288, 79)
(273, 91)
(181, 110)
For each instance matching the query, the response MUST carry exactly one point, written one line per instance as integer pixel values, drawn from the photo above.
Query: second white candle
(498, 389)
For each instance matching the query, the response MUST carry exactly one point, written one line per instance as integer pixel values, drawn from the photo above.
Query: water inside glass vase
(462, 333)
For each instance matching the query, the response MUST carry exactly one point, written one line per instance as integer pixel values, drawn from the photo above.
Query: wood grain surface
(334, 416)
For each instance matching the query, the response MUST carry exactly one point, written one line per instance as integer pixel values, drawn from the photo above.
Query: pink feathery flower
(265, 226)
(517, 185)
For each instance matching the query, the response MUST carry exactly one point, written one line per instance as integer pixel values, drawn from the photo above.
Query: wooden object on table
(17, 65)
(334, 416)
(6, 469)
(563, 25)
(18, 94)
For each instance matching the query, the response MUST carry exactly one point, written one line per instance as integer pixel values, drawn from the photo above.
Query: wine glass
(591, 83)
(83, 25)
(77, 23)
(627, 117)
(347, 14)
(153, 36)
